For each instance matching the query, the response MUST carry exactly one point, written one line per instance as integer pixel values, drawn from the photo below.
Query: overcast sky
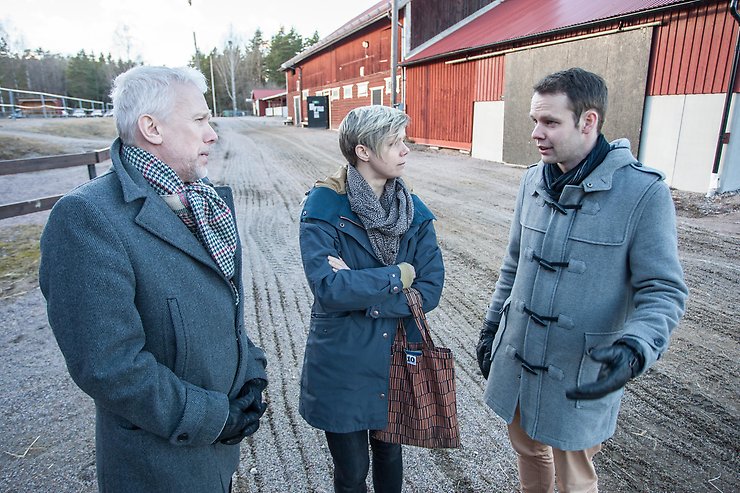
(161, 31)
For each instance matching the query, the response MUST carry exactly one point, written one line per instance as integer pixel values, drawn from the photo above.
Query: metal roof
(266, 93)
(510, 20)
(371, 15)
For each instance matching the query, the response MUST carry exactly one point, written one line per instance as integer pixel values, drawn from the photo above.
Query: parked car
(96, 112)
(16, 113)
(79, 113)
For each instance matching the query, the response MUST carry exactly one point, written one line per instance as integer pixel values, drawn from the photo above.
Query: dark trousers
(349, 452)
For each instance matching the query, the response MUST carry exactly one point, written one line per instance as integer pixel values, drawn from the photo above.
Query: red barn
(268, 102)
(467, 70)
(352, 66)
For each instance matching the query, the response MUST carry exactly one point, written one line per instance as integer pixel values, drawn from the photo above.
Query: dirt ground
(678, 431)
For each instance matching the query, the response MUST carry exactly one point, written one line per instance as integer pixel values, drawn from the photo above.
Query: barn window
(347, 92)
(334, 93)
(376, 96)
(362, 89)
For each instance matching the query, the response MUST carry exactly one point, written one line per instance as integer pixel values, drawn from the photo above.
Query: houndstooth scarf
(387, 218)
(197, 204)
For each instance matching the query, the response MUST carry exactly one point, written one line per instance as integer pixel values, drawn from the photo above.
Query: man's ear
(590, 120)
(363, 153)
(149, 129)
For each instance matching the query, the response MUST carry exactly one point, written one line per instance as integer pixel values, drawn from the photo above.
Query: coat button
(341, 225)
(393, 275)
(305, 212)
(182, 437)
(382, 396)
(659, 342)
(385, 335)
(589, 185)
(375, 313)
(395, 289)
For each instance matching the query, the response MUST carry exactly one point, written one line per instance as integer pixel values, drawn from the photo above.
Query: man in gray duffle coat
(141, 269)
(588, 293)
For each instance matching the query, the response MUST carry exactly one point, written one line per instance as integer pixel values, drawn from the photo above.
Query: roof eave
(559, 30)
(374, 17)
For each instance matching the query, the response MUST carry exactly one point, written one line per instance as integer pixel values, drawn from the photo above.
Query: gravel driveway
(678, 431)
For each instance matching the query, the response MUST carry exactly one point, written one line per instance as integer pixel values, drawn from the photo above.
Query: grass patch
(13, 147)
(88, 128)
(19, 259)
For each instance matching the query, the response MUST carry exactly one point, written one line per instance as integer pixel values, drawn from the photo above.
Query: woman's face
(390, 160)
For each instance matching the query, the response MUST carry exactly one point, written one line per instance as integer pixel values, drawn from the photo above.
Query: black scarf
(556, 180)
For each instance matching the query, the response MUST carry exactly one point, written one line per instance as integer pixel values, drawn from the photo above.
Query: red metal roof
(265, 93)
(513, 19)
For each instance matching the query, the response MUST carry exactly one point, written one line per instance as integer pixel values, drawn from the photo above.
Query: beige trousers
(540, 465)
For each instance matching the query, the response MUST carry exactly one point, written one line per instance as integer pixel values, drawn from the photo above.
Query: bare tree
(124, 41)
(227, 66)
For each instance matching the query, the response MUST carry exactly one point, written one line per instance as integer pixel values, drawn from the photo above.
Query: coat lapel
(157, 218)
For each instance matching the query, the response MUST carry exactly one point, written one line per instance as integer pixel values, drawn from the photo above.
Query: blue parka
(344, 383)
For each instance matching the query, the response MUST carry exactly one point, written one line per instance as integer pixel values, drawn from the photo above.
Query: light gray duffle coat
(623, 279)
(149, 329)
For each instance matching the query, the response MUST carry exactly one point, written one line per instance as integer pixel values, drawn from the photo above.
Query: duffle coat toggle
(549, 264)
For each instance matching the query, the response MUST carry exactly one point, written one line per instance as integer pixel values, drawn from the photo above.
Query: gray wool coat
(149, 329)
(622, 279)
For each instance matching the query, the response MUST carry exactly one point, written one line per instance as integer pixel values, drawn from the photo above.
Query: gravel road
(678, 430)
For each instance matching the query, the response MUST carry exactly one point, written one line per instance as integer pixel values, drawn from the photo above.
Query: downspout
(724, 137)
(394, 51)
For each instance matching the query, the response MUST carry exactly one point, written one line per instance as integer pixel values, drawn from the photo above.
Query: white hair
(148, 90)
(369, 126)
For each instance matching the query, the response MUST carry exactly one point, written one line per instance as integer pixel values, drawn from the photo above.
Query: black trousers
(349, 452)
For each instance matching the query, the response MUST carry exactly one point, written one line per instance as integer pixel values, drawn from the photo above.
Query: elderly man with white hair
(141, 270)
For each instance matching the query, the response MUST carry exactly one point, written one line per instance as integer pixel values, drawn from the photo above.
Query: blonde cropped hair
(370, 126)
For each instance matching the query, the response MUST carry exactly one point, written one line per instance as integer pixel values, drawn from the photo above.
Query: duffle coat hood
(344, 382)
(148, 327)
(600, 265)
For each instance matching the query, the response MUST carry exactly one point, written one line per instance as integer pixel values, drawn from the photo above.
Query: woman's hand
(337, 264)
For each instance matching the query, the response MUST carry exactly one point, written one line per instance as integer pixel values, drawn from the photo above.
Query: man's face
(186, 134)
(559, 140)
(390, 161)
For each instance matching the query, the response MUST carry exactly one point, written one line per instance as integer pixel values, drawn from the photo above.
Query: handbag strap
(414, 300)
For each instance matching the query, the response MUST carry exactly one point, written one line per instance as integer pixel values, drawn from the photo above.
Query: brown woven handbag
(421, 395)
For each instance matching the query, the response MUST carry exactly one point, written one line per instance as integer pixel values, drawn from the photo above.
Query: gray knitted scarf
(387, 218)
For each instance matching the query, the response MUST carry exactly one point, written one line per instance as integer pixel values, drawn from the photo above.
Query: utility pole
(195, 43)
(232, 72)
(394, 51)
(213, 86)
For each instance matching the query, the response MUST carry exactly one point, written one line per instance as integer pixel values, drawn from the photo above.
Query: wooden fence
(16, 166)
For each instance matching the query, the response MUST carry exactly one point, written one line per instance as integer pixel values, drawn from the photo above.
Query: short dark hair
(585, 91)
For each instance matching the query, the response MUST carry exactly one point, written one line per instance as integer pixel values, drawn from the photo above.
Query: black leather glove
(620, 363)
(485, 346)
(237, 420)
(250, 398)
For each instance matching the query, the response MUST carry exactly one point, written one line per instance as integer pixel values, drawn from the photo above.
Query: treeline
(240, 67)
(237, 69)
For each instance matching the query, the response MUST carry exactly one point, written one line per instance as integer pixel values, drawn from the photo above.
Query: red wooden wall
(691, 53)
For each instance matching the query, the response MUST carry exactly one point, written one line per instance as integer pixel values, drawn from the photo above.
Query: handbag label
(411, 357)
